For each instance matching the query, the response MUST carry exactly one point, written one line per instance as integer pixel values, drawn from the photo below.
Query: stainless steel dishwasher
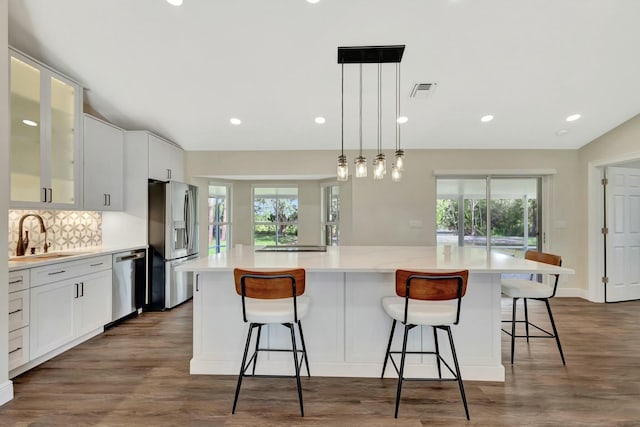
(129, 283)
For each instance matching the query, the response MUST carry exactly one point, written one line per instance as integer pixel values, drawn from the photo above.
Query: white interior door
(623, 238)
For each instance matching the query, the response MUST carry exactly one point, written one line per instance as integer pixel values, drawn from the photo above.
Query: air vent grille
(423, 90)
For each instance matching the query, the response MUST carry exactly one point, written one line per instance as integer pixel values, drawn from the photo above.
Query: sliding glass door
(509, 223)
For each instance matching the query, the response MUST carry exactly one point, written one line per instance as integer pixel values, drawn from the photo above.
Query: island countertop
(379, 259)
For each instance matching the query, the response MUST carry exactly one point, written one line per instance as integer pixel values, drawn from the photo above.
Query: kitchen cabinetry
(69, 300)
(45, 144)
(166, 160)
(19, 306)
(103, 165)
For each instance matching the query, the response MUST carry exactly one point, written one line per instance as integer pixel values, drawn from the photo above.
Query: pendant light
(361, 161)
(379, 164)
(398, 166)
(343, 167)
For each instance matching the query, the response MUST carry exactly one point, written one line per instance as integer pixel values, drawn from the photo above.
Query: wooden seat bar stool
(272, 297)
(430, 299)
(530, 289)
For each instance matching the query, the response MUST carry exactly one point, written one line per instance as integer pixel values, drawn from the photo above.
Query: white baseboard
(573, 292)
(328, 369)
(6, 392)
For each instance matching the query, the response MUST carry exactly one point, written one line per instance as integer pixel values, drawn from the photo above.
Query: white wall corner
(573, 293)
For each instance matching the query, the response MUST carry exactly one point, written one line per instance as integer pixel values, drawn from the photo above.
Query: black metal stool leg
(401, 373)
(295, 364)
(304, 349)
(526, 318)
(513, 328)
(242, 368)
(455, 362)
(555, 331)
(386, 356)
(435, 339)
(255, 359)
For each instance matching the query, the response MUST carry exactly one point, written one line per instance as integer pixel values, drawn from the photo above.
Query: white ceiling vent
(423, 90)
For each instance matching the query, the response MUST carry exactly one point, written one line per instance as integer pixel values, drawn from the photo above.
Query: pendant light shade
(343, 168)
(396, 175)
(399, 160)
(361, 167)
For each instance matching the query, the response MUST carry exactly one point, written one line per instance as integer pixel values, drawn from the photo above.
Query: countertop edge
(85, 252)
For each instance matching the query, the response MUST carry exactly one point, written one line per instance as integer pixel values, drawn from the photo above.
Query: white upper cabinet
(166, 160)
(45, 144)
(103, 165)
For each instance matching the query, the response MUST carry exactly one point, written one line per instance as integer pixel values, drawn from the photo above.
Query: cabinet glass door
(62, 167)
(26, 132)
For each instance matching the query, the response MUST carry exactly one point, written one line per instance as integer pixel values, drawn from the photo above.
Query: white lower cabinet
(18, 347)
(69, 309)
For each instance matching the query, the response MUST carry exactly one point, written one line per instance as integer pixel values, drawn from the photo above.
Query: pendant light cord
(379, 108)
(397, 106)
(360, 111)
(342, 112)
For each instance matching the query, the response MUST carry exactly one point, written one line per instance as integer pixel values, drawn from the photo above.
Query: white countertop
(382, 259)
(73, 254)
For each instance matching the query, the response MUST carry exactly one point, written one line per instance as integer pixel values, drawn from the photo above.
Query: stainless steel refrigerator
(173, 239)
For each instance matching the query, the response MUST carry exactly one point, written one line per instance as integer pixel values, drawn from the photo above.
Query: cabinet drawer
(66, 270)
(18, 280)
(18, 347)
(18, 310)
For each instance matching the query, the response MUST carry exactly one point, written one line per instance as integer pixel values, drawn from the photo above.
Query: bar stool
(531, 289)
(272, 297)
(430, 299)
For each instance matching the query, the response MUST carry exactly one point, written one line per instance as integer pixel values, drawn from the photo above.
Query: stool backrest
(269, 284)
(431, 286)
(434, 286)
(547, 259)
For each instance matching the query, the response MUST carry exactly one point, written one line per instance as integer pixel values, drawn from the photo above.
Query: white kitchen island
(346, 330)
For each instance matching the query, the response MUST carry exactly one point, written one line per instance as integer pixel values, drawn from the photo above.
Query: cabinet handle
(57, 272)
(50, 190)
(197, 282)
(81, 289)
(13, 282)
(95, 265)
(168, 173)
(17, 349)
(76, 285)
(15, 311)
(104, 199)
(43, 199)
(109, 199)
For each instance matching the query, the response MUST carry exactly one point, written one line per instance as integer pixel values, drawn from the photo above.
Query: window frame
(327, 195)
(275, 186)
(216, 223)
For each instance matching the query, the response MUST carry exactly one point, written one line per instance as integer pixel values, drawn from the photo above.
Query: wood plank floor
(138, 374)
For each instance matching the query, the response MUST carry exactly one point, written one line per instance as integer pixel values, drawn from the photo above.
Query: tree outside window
(275, 216)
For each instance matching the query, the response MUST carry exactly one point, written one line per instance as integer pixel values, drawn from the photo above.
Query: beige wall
(6, 389)
(379, 212)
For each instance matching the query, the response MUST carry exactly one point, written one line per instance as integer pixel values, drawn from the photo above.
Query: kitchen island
(346, 330)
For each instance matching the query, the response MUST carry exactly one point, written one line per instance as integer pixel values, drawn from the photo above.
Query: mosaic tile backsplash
(65, 229)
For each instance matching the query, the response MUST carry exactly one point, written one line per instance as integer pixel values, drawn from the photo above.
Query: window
(219, 218)
(510, 222)
(275, 216)
(331, 214)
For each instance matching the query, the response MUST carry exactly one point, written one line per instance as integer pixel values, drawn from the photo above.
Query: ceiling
(183, 72)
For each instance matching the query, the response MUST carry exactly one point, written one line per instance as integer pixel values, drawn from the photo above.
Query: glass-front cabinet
(45, 136)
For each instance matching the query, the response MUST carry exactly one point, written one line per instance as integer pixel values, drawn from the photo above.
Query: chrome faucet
(21, 247)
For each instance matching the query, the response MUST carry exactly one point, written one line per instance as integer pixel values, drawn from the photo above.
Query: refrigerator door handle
(187, 234)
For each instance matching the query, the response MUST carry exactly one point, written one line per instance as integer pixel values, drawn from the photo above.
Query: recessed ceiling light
(235, 121)
(562, 132)
(29, 123)
(573, 117)
(175, 2)
(313, 1)
(487, 118)
(320, 120)
(402, 119)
